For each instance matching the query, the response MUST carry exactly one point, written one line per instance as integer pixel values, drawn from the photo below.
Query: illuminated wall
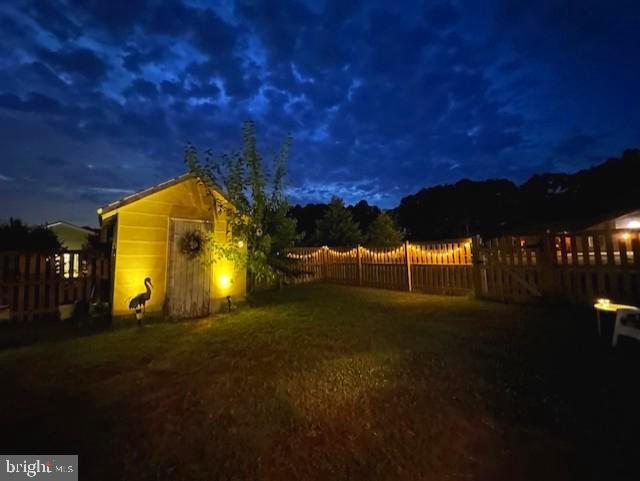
(142, 246)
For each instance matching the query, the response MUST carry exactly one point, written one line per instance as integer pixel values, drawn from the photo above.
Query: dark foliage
(570, 200)
(364, 214)
(306, 217)
(458, 210)
(337, 227)
(17, 236)
(383, 232)
(499, 206)
(547, 201)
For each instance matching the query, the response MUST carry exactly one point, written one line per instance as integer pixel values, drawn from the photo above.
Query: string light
(431, 251)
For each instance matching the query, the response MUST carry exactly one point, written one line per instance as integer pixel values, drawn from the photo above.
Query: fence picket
(34, 284)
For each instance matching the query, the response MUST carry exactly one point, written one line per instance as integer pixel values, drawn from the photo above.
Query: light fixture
(604, 301)
(224, 281)
(240, 244)
(626, 236)
(633, 224)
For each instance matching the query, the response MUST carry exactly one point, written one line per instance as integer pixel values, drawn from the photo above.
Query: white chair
(627, 324)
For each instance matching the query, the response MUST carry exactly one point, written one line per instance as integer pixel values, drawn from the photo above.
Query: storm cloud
(98, 98)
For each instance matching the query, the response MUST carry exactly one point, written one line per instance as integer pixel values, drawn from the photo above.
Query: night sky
(98, 98)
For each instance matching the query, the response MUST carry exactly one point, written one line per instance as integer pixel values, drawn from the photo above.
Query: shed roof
(148, 191)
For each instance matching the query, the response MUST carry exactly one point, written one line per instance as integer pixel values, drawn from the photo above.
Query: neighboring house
(148, 231)
(628, 220)
(74, 238)
(71, 236)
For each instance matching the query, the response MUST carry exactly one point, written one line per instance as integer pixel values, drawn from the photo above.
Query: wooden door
(189, 281)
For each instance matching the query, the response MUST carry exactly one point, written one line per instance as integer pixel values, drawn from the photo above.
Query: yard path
(327, 382)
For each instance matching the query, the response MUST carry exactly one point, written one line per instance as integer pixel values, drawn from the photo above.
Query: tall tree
(306, 218)
(257, 208)
(337, 227)
(364, 214)
(383, 232)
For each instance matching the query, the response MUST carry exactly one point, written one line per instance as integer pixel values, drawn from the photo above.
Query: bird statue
(139, 302)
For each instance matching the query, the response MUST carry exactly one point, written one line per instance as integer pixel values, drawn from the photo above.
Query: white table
(608, 307)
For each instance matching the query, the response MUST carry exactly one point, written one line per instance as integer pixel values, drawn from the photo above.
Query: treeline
(335, 224)
(489, 208)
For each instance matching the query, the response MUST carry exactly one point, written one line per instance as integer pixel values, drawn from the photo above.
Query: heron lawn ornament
(139, 302)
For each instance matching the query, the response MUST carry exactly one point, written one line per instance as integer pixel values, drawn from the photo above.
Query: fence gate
(510, 268)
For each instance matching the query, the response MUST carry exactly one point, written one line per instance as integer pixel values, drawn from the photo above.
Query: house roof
(148, 191)
(88, 230)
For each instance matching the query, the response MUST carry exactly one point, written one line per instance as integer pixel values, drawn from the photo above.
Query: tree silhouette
(337, 227)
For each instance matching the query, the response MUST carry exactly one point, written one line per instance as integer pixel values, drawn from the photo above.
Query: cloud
(375, 94)
(34, 102)
(78, 61)
(142, 88)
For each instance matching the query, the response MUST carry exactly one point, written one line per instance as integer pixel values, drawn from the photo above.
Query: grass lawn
(325, 382)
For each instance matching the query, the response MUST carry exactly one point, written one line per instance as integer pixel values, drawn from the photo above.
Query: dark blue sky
(97, 98)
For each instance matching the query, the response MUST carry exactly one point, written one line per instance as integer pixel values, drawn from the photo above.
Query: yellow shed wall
(142, 248)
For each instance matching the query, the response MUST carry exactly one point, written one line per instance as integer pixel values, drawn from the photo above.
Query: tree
(364, 214)
(256, 209)
(306, 218)
(17, 236)
(337, 227)
(383, 232)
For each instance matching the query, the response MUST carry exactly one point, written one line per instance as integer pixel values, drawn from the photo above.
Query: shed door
(189, 282)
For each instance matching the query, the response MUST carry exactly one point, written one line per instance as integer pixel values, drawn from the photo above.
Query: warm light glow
(240, 244)
(438, 251)
(66, 265)
(604, 302)
(224, 281)
(634, 224)
(626, 236)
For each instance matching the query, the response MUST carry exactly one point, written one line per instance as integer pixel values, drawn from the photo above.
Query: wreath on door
(191, 243)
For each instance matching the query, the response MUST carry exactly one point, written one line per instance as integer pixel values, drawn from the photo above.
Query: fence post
(407, 260)
(477, 265)
(359, 265)
(547, 265)
(325, 261)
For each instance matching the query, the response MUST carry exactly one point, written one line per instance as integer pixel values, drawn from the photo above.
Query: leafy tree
(337, 227)
(306, 218)
(364, 214)
(383, 232)
(17, 236)
(546, 201)
(257, 207)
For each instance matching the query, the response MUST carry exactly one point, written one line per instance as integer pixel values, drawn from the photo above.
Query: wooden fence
(575, 267)
(438, 267)
(34, 285)
(596, 264)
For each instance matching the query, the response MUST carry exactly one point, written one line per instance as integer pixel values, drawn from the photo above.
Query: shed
(147, 230)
